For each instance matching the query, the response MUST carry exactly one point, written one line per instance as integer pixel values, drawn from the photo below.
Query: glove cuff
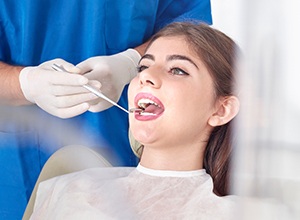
(134, 57)
(23, 79)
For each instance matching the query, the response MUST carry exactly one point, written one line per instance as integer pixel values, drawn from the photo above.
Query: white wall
(267, 163)
(226, 17)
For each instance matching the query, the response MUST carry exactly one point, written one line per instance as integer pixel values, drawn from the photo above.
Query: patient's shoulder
(98, 173)
(85, 178)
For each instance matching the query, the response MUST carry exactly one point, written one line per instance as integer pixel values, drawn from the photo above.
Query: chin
(143, 136)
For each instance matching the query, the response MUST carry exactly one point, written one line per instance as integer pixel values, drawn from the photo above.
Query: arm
(142, 48)
(11, 92)
(58, 93)
(34, 81)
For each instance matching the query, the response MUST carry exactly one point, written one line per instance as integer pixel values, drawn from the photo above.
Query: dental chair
(68, 159)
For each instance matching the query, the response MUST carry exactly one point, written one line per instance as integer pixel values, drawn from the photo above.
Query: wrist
(11, 92)
(134, 57)
(24, 84)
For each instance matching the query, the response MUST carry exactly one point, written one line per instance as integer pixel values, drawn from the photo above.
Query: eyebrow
(181, 57)
(147, 56)
(170, 58)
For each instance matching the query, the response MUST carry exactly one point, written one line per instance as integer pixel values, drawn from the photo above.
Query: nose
(150, 77)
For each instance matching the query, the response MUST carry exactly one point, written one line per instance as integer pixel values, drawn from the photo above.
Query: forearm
(142, 48)
(11, 92)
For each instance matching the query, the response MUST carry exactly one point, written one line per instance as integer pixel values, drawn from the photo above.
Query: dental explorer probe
(93, 90)
(140, 110)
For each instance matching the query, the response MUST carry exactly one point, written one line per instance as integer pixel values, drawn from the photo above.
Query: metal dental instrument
(132, 110)
(90, 88)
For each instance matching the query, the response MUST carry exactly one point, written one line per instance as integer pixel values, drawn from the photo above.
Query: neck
(175, 159)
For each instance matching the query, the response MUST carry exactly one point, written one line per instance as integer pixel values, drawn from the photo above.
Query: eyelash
(182, 72)
(140, 68)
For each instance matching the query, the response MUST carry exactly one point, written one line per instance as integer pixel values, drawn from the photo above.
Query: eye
(140, 68)
(178, 71)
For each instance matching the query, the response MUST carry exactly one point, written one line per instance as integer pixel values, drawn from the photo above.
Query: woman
(184, 103)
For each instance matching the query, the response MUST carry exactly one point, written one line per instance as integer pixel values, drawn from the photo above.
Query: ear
(227, 108)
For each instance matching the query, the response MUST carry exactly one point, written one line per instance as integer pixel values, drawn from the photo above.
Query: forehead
(174, 44)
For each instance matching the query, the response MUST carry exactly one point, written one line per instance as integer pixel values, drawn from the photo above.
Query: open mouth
(148, 105)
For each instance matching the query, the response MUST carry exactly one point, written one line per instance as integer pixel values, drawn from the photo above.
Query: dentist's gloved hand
(58, 93)
(113, 72)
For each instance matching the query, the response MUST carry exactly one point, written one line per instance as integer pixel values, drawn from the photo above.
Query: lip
(143, 95)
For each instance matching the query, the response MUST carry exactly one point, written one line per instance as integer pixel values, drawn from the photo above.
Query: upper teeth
(144, 103)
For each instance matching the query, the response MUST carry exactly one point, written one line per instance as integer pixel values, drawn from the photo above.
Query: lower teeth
(146, 113)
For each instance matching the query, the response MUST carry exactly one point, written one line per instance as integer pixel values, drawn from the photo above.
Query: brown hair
(218, 52)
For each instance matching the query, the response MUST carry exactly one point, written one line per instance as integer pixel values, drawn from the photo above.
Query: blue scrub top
(34, 31)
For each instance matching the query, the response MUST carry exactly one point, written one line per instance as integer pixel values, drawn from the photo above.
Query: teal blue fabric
(34, 31)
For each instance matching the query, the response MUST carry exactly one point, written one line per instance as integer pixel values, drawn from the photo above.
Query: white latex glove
(113, 72)
(58, 93)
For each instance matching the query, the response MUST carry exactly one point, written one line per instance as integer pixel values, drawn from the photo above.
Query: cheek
(184, 101)
(192, 104)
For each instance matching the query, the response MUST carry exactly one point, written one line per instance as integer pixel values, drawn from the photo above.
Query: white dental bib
(131, 193)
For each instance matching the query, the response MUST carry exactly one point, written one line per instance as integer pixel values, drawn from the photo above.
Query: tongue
(153, 109)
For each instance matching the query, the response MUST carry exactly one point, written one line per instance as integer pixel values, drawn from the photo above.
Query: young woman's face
(178, 91)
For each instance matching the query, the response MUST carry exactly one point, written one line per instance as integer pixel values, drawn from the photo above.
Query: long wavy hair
(219, 53)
